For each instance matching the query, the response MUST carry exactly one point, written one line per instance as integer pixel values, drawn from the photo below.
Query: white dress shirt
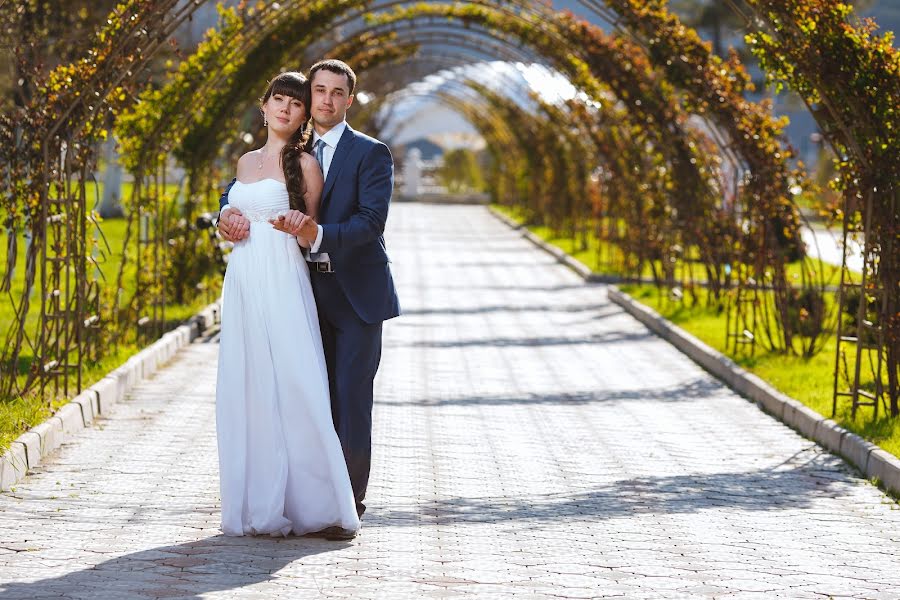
(330, 139)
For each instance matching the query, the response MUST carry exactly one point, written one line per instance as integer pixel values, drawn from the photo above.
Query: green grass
(808, 380)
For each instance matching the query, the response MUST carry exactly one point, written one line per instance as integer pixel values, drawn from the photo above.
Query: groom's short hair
(335, 66)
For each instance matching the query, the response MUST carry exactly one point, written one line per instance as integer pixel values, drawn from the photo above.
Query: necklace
(262, 161)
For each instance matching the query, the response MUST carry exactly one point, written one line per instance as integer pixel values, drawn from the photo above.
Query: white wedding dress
(281, 467)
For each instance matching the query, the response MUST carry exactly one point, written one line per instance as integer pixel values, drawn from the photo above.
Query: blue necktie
(319, 152)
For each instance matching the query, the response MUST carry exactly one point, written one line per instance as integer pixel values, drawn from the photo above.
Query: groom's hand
(233, 225)
(308, 229)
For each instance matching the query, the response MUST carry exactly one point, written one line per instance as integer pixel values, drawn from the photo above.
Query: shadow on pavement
(520, 287)
(690, 390)
(521, 308)
(763, 490)
(184, 571)
(610, 337)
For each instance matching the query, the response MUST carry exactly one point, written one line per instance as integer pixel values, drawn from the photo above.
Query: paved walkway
(533, 441)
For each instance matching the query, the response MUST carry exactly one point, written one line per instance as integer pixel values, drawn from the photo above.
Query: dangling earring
(265, 121)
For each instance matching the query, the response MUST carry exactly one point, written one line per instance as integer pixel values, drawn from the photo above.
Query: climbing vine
(850, 79)
(640, 157)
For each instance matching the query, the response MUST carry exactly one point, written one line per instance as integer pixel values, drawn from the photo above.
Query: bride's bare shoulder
(248, 157)
(244, 162)
(310, 166)
(307, 160)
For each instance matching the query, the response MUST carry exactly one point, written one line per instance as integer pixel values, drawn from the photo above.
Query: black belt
(320, 267)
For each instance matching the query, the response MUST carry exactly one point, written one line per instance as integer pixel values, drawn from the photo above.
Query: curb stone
(30, 448)
(871, 460)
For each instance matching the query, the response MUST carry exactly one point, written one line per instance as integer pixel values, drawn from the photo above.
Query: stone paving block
(756, 389)
(162, 350)
(95, 401)
(148, 359)
(790, 412)
(108, 393)
(132, 371)
(805, 420)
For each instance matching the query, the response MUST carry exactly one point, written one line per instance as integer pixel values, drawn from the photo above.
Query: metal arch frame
(446, 33)
(528, 7)
(449, 30)
(492, 33)
(720, 137)
(63, 333)
(498, 47)
(186, 10)
(444, 62)
(504, 53)
(448, 63)
(653, 84)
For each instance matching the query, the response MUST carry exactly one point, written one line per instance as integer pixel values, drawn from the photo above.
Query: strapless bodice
(260, 200)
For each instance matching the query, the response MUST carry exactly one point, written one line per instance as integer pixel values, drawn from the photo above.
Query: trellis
(647, 79)
(855, 102)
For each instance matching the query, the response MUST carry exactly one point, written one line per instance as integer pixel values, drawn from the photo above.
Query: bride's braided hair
(295, 85)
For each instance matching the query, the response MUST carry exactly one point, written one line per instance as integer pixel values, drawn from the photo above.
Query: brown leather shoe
(338, 533)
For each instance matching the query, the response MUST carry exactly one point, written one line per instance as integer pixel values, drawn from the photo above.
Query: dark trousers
(352, 352)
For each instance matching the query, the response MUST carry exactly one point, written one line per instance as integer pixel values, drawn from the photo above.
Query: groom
(348, 265)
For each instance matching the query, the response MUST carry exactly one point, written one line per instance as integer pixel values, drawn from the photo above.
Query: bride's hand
(290, 222)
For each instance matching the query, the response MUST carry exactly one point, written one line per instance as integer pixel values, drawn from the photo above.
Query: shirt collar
(332, 136)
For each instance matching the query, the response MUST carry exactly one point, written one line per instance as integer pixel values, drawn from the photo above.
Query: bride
(280, 462)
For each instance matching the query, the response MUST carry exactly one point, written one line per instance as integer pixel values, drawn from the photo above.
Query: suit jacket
(353, 213)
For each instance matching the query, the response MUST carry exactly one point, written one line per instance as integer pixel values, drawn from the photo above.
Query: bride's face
(285, 114)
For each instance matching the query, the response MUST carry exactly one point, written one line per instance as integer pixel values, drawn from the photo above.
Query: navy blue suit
(359, 295)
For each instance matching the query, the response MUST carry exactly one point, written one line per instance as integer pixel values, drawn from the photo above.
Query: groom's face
(330, 98)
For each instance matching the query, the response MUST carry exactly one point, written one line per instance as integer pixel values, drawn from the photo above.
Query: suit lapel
(338, 160)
